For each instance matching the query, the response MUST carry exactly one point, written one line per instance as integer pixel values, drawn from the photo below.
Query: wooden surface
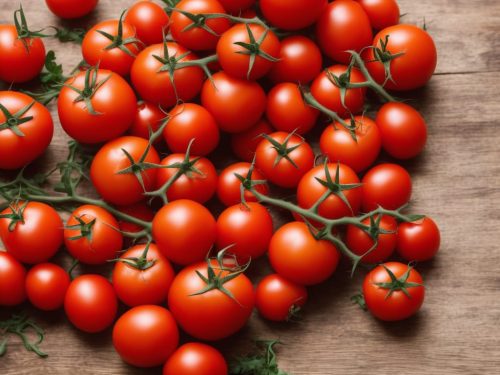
(456, 181)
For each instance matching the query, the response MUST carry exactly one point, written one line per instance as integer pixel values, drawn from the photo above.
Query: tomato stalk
(19, 325)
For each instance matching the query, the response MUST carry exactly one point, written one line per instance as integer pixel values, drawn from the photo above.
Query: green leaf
(263, 362)
(65, 35)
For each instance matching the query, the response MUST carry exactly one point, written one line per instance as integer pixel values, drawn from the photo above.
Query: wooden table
(456, 181)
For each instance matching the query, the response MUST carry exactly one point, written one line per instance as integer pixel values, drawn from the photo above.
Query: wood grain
(456, 181)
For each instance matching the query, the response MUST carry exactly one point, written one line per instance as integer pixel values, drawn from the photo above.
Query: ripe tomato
(338, 145)
(92, 235)
(248, 228)
(418, 241)
(411, 70)
(292, 14)
(196, 38)
(403, 130)
(212, 315)
(184, 231)
(69, 9)
(113, 102)
(236, 6)
(148, 119)
(138, 210)
(90, 303)
(236, 104)
(195, 358)
(46, 286)
(328, 93)
(190, 121)
(35, 125)
(343, 26)
(386, 185)
(399, 303)
(123, 188)
(33, 233)
(229, 186)
(150, 21)
(145, 336)
(278, 299)
(244, 144)
(12, 280)
(296, 255)
(382, 13)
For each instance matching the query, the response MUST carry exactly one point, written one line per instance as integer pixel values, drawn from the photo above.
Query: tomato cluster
(163, 95)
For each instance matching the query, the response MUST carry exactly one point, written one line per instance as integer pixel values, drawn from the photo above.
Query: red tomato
(123, 188)
(236, 6)
(244, 144)
(148, 119)
(12, 280)
(392, 305)
(138, 210)
(338, 145)
(150, 21)
(418, 241)
(35, 125)
(386, 185)
(343, 26)
(195, 358)
(382, 13)
(146, 336)
(90, 303)
(34, 235)
(292, 14)
(296, 255)
(403, 130)
(69, 9)
(229, 186)
(46, 286)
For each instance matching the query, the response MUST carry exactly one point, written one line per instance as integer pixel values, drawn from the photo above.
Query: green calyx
(385, 57)
(20, 325)
(140, 263)
(14, 120)
(398, 284)
(91, 86)
(282, 149)
(23, 32)
(16, 215)
(83, 227)
(247, 183)
(197, 21)
(117, 41)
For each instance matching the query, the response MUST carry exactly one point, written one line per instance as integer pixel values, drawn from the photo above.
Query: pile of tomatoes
(165, 96)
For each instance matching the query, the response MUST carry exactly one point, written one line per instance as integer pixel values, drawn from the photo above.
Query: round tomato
(12, 280)
(418, 241)
(292, 14)
(69, 9)
(150, 21)
(138, 210)
(229, 185)
(382, 13)
(236, 6)
(244, 144)
(148, 119)
(195, 358)
(46, 286)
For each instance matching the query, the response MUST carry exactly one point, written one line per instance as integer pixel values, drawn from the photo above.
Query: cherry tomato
(236, 6)
(244, 144)
(12, 280)
(69, 9)
(382, 13)
(46, 286)
(418, 241)
(138, 210)
(229, 186)
(195, 358)
(148, 119)
(292, 14)
(150, 21)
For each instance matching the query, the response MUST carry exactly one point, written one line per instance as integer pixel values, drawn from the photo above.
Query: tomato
(418, 241)
(123, 188)
(284, 158)
(196, 38)
(145, 336)
(155, 85)
(287, 111)
(33, 233)
(244, 144)
(229, 186)
(393, 304)
(236, 6)
(12, 280)
(343, 26)
(195, 358)
(292, 14)
(296, 255)
(190, 121)
(184, 231)
(247, 229)
(148, 119)
(403, 130)
(113, 102)
(46, 286)
(386, 185)
(382, 13)
(90, 303)
(212, 315)
(35, 125)
(412, 69)
(92, 235)
(310, 190)
(300, 61)
(198, 185)
(236, 104)
(328, 94)
(338, 144)
(150, 21)
(138, 210)
(69, 9)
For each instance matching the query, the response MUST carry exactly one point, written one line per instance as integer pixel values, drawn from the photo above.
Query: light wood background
(456, 181)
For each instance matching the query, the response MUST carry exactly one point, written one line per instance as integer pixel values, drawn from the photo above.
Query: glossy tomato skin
(386, 185)
(148, 118)
(244, 144)
(296, 255)
(403, 130)
(382, 13)
(236, 104)
(292, 14)
(397, 306)
(411, 70)
(16, 151)
(150, 21)
(343, 26)
(123, 189)
(46, 286)
(69, 9)
(114, 102)
(337, 143)
(418, 241)
(90, 303)
(195, 358)
(228, 186)
(37, 238)
(12, 280)
(236, 6)
(145, 336)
